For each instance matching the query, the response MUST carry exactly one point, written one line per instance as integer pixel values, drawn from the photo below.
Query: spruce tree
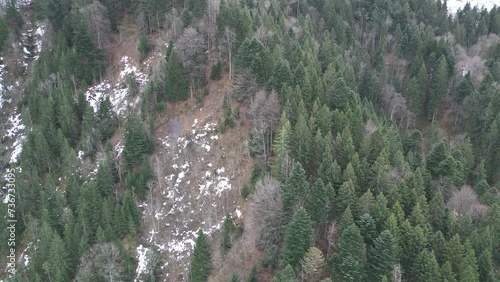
(227, 233)
(316, 203)
(298, 238)
(382, 257)
(201, 260)
(286, 275)
(281, 161)
(294, 189)
(438, 87)
(176, 85)
(347, 264)
(425, 268)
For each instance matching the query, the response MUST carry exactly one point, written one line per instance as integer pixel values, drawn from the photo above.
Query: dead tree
(98, 24)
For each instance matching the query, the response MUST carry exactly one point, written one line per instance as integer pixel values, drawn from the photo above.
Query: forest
(372, 130)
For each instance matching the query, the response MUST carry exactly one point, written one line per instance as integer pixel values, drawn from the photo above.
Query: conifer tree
(58, 260)
(281, 161)
(438, 87)
(286, 275)
(346, 148)
(425, 267)
(227, 232)
(175, 82)
(316, 203)
(347, 264)
(301, 142)
(382, 257)
(313, 263)
(346, 197)
(253, 275)
(201, 259)
(367, 228)
(298, 238)
(90, 135)
(294, 189)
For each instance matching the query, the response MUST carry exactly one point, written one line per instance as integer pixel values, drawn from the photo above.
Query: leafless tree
(264, 112)
(267, 215)
(104, 260)
(173, 24)
(190, 48)
(397, 109)
(331, 236)
(464, 201)
(396, 273)
(244, 85)
(229, 40)
(98, 24)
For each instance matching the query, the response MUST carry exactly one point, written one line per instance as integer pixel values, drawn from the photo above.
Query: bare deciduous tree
(396, 273)
(397, 109)
(267, 215)
(104, 260)
(229, 40)
(190, 48)
(264, 111)
(244, 85)
(98, 24)
(464, 201)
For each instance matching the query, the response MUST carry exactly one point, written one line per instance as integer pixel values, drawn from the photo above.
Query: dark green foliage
(176, 85)
(298, 238)
(317, 203)
(382, 256)
(286, 275)
(216, 72)
(201, 260)
(4, 32)
(253, 275)
(347, 264)
(144, 47)
(425, 267)
(228, 230)
(106, 120)
(137, 144)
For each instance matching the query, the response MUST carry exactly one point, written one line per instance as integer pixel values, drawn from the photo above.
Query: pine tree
(455, 252)
(447, 273)
(301, 142)
(313, 263)
(136, 143)
(90, 135)
(227, 232)
(347, 264)
(201, 260)
(382, 257)
(316, 203)
(469, 270)
(298, 238)
(346, 148)
(286, 275)
(438, 86)
(281, 161)
(106, 120)
(58, 259)
(367, 227)
(253, 275)
(438, 154)
(294, 189)
(346, 197)
(235, 278)
(176, 85)
(425, 267)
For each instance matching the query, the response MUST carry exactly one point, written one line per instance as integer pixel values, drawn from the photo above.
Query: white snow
(454, 5)
(142, 261)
